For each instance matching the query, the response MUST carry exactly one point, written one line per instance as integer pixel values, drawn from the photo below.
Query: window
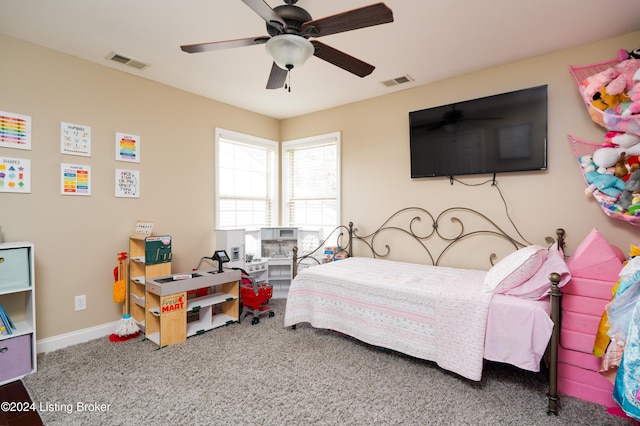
(311, 183)
(246, 181)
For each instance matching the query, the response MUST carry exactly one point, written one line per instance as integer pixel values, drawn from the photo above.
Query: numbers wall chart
(75, 139)
(15, 175)
(75, 179)
(15, 130)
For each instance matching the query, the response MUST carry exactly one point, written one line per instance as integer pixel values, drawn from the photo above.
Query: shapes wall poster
(15, 130)
(127, 183)
(127, 147)
(75, 139)
(15, 175)
(75, 179)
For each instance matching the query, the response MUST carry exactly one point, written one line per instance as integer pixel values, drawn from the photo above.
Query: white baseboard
(68, 339)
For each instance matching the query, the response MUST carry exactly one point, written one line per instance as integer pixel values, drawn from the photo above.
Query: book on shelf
(6, 325)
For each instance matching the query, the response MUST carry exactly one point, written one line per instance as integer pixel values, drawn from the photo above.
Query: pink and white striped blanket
(433, 313)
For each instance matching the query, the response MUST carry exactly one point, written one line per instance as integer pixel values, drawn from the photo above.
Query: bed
(455, 317)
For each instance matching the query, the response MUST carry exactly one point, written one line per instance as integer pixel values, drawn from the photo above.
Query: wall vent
(126, 61)
(398, 80)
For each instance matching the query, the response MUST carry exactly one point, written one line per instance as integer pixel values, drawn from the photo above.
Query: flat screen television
(495, 134)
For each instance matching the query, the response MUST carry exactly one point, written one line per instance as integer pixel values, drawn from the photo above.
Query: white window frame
(309, 141)
(250, 140)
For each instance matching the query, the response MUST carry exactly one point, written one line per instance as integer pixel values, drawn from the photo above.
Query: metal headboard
(450, 227)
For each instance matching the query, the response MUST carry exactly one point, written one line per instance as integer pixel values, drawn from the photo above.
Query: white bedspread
(434, 313)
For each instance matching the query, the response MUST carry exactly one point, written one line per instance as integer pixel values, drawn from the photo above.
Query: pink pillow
(538, 286)
(514, 269)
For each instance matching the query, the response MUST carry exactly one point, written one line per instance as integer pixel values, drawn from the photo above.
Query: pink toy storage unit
(594, 271)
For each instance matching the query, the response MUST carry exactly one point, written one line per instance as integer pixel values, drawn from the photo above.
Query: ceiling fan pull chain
(287, 86)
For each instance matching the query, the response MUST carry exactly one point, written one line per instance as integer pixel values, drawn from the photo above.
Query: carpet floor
(266, 374)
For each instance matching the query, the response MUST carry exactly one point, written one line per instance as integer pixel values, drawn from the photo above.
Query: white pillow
(538, 285)
(514, 269)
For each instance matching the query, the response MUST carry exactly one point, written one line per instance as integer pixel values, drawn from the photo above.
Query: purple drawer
(15, 357)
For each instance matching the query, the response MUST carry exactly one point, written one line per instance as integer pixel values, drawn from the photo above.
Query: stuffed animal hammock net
(607, 118)
(580, 148)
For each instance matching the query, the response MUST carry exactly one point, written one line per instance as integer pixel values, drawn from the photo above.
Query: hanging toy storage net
(592, 80)
(581, 148)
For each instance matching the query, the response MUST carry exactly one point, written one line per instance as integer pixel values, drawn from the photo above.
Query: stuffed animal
(626, 54)
(624, 81)
(620, 168)
(587, 164)
(633, 162)
(604, 158)
(632, 185)
(624, 140)
(634, 107)
(607, 184)
(634, 208)
(603, 100)
(594, 83)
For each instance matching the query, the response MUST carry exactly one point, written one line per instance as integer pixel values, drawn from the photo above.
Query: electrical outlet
(81, 302)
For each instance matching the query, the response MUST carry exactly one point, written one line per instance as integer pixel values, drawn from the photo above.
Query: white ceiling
(428, 40)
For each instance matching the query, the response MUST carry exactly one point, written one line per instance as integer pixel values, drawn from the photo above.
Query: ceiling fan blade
(363, 17)
(266, 12)
(219, 45)
(277, 77)
(342, 60)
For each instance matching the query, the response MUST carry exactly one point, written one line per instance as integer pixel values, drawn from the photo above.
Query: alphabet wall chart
(15, 130)
(127, 183)
(15, 175)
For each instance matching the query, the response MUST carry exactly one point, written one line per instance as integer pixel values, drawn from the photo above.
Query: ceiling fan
(290, 27)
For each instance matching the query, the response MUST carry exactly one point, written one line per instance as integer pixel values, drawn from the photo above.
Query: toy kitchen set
(266, 254)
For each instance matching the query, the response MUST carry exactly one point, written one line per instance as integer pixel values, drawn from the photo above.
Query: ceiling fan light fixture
(289, 50)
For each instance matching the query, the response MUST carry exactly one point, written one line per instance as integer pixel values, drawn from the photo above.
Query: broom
(127, 328)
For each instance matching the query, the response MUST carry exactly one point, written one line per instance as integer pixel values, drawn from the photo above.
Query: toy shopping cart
(254, 297)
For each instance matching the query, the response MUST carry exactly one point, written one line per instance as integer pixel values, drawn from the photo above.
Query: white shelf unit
(17, 296)
(280, 271)
(202, 315)
(172, 315)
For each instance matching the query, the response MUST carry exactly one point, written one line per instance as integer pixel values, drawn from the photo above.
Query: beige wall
(77, 238)
(375, 152)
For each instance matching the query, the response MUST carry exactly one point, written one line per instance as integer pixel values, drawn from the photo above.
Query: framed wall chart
(15, 175)
(127, 147)
(15, 130)
(75, 139)
(75, 179)
(127, 183)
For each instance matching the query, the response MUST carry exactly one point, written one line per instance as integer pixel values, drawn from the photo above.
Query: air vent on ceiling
(127, 61)
(398, 80)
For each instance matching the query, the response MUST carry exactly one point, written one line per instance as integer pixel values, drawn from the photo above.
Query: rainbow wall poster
(75, 179)
(127, 147)
(15, 175)
(15, 130)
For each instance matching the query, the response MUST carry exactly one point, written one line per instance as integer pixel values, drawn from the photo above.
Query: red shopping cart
(254, 297)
